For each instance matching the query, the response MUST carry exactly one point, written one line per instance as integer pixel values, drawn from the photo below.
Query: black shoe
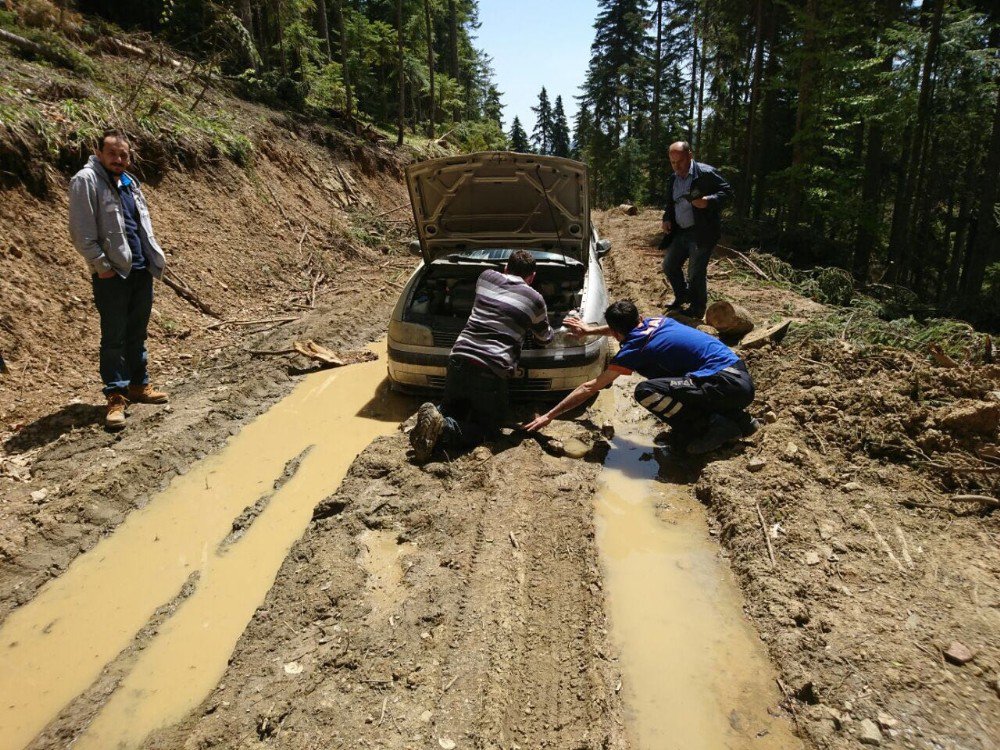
(721, 430)
(693, 312)
(676, 306)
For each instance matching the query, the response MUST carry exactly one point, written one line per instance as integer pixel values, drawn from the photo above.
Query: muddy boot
(424, 436)
(114, 417)
(146, 394)
(720, 431)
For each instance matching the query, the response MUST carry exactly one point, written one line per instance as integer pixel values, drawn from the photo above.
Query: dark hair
(111, 133)
(521, 263)
(622, 316)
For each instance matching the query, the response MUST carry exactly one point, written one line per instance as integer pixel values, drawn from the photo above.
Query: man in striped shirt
(483, 359)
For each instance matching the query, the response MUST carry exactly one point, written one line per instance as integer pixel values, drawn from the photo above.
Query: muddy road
(294, 588)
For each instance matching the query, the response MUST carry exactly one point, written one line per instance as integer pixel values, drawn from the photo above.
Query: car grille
(517, 385)
(447, 339)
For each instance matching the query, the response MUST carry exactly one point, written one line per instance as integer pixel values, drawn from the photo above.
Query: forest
(858, 135)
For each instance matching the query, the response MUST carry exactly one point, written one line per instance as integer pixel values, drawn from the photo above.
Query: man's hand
(106, 275)
(538, 423)
(667, 227)
(700, 203)
(576, 327)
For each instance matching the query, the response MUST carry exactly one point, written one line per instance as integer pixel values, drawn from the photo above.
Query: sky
(537, 43)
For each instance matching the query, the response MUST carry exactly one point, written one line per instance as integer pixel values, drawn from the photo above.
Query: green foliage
(484, 135)
(518, 137)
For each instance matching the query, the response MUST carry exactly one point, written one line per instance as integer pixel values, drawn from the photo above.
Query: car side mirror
(603, 248)
(414, 247)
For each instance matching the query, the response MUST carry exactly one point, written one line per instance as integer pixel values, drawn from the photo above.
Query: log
(185, 292)
(628, 209)
(34, 48)
(729, 319)
(774, 333)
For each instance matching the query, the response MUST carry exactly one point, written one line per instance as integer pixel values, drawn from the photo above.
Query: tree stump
(729, 319)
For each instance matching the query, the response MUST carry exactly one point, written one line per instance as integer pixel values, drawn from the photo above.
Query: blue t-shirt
(663, 348)
(133, 228)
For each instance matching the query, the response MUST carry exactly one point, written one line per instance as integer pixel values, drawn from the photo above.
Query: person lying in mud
(695, 383)
(483, 359)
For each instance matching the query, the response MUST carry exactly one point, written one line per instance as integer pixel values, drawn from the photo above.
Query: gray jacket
(97, 224)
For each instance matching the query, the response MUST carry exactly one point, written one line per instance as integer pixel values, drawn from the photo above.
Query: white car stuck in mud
(471, 212)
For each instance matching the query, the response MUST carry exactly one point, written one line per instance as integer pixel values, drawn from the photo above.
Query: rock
(975, 418)
(481, 453)
(447, 744)
(852, 487)
(608, 430)
(770, 417)
(293, 667)
(628, 209)
(885, 720)
(39, 496)
(959, 654)
(791, 449)
(868, 733)
(812, 558)
(425, 717)
(756, 464)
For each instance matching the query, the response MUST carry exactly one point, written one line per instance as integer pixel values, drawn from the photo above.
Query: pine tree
(581, 133)
(560, 130)
(541, 136)
(492, 107)
(519, 138)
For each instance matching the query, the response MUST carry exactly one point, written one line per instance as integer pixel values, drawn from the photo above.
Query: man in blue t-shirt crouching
(694, 382)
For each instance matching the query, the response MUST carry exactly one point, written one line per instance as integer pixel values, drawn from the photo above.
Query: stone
(770, 417)
(959, 654)
(885, 720)
(852, 487)
(756, 464)
(446, 743)
(868, 733)
(812, 558)
(39, 496)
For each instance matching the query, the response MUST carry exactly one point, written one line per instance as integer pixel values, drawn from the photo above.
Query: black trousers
(476, 404)
(687, 404)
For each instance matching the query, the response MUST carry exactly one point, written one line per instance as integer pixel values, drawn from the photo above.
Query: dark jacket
(705, 183)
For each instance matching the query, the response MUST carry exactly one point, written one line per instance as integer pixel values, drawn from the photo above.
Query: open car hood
(500, 199)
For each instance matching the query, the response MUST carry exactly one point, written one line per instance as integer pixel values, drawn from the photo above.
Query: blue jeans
(124, 306)
(476, 404)
(694, 289)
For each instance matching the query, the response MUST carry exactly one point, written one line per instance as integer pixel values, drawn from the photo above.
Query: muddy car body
(471, 212)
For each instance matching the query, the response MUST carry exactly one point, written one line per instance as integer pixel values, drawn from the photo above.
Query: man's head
(521, 263)
(680, 157)
(113, 151)
(622, 316)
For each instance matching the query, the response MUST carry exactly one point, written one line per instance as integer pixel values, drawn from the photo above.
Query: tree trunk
(345, 57)
(655, 177)
(967, 190)
(694, 78)
(399, 64)
(701, 95)
(246, 17)
(452, 40)
(324, 28)
(986, 244)
(767, 126)
(800, 150)
(902, 213)
(430, 64)
(743, 197)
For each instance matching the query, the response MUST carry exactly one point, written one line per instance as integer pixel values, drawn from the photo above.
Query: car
(471, 212)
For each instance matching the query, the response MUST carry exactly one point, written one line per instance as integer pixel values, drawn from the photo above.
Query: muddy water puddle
(695, 675)
(56, 646)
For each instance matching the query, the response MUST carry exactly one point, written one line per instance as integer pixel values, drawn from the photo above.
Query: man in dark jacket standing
(692, 226)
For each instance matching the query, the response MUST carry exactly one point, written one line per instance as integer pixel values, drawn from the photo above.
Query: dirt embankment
(877, 572)
(304, 240)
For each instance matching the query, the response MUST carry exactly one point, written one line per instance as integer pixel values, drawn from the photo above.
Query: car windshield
(501, 254)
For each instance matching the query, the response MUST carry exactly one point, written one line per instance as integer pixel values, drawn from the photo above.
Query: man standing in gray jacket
(110, 226)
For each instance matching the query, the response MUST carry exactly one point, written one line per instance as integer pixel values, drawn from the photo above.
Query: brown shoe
(114, 417)
(146, 394)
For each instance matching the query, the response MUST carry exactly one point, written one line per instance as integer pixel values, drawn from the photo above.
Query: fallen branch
(184, 291)
(392, 210)
(882, 542)
(280, 207)
(989, 502)
(749, 263)
(270, 352)
(222, 323)
(34, 48)
(767, 537)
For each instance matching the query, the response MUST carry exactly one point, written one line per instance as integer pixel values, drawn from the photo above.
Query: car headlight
(410, 333)
(563, 339)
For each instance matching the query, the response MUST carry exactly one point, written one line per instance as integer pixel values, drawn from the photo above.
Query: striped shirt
(504, 311)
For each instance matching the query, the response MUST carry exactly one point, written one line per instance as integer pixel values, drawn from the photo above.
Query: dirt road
(463, 603)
